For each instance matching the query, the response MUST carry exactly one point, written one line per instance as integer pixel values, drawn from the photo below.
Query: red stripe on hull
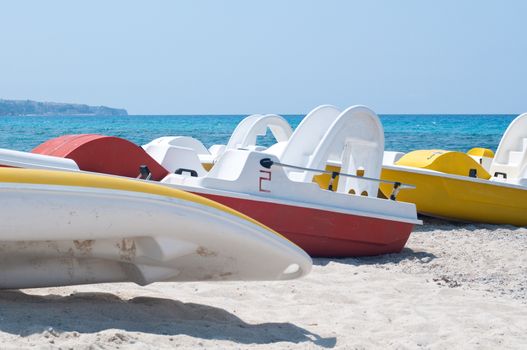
(323, 233)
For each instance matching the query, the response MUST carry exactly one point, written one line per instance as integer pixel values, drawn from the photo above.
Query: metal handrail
(397, 186)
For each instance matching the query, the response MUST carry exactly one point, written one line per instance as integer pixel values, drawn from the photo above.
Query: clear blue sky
(221, 57)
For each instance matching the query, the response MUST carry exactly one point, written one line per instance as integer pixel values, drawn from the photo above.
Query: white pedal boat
(62, 228)
(475, 186)
(349, 221)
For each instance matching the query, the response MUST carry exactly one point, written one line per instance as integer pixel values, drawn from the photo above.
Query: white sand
(454, 286)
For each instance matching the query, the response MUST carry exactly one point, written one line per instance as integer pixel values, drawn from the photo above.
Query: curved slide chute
(246, 133)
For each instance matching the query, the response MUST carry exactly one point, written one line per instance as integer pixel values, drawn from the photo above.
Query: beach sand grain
(453, 286)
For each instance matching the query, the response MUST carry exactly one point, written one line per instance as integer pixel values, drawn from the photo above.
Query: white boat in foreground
(63, 228)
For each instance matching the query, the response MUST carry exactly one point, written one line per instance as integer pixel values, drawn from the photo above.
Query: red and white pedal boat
(350, 221)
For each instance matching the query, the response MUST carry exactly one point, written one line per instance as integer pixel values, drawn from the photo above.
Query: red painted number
(265, 175)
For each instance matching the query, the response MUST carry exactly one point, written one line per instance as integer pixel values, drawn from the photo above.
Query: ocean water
(402, 132)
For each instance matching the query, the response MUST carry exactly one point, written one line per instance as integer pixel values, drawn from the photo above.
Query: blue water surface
(402, 132)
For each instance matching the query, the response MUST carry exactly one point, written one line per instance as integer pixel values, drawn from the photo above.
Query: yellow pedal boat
(474, 186)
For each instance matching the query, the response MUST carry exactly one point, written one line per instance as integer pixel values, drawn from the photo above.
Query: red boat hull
(323, 233)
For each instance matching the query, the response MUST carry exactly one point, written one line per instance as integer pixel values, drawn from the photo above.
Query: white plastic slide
(510, 161)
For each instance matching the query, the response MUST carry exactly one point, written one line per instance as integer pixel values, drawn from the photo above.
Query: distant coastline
(35, 108)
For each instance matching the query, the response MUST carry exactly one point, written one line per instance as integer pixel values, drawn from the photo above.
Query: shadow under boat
(393, 258)
(431, 223)
(25, 314)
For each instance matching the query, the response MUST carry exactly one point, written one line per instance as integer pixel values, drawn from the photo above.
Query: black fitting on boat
(144, 172)
(334, 174)
(180, 171)
(395, 191)
(266, 163)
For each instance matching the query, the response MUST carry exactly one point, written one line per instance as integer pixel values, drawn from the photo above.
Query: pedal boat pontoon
(65, 228)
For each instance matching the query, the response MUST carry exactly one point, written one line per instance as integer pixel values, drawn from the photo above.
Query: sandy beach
(453, 286)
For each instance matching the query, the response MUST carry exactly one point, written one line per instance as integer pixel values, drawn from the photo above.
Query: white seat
(178, 152)
(510, 160)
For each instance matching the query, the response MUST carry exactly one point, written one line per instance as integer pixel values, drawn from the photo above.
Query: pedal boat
(347, 220)
(449, 184)
(474, 187)
(441, 176)
(66, 228)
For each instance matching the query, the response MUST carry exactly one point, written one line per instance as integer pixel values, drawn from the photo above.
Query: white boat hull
(52, 235)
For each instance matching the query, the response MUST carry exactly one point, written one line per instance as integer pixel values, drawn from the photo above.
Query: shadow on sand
(25, 314)
(431, 224)
(405, 254)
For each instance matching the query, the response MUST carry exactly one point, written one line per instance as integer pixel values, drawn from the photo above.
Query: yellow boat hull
(459, 197)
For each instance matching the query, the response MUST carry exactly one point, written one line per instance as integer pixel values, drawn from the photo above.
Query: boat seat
(510, 161)
(229, 166)
(163, 148)
(390, 157)
(177, 159)
(483, 156)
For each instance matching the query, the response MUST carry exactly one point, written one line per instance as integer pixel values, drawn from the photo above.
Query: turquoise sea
(402, 132)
